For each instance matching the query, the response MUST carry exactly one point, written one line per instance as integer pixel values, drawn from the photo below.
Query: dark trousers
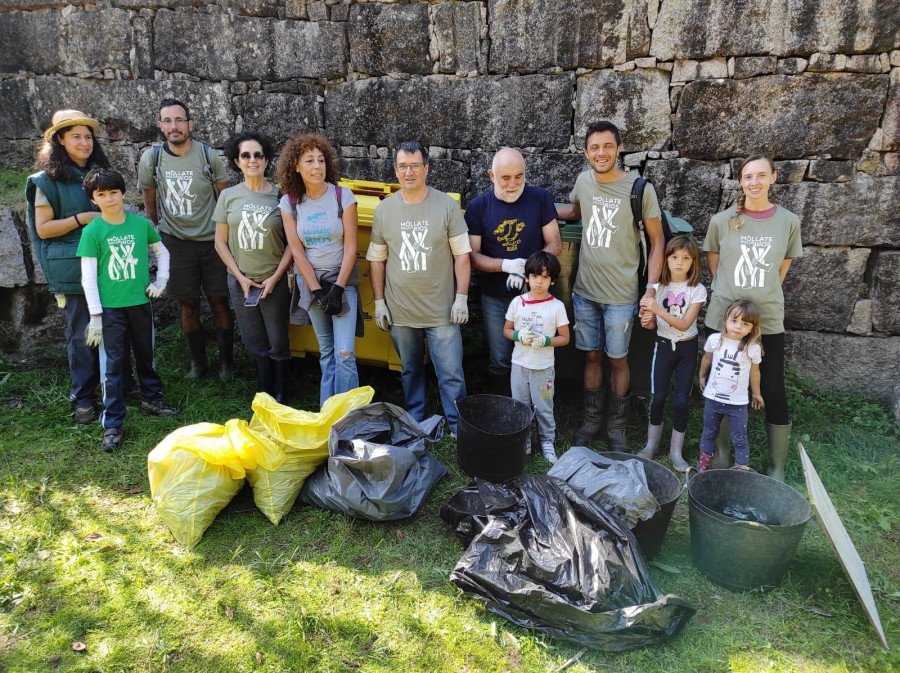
(713, 413)
(677, 366)
(264, 327)
(771, 380)
(134, 323)
(84, 362)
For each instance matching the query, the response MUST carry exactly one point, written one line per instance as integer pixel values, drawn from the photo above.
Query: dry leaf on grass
(53, 660)
(259, 657)
(399, 534)
(229, 613)
(132, 491)
(106, 550)
(348, 662)
(78, 646)
(90, 537)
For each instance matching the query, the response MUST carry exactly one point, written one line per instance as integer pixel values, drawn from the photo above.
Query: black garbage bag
(547, 558)
(378, 468)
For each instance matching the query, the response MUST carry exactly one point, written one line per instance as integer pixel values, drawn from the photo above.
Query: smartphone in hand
(253, 296)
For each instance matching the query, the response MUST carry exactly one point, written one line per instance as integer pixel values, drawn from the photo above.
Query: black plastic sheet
(547, 558)
(378, 468)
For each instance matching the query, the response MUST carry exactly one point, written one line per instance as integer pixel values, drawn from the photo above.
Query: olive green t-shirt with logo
(749, 260)
(255, 230)
(609, 255)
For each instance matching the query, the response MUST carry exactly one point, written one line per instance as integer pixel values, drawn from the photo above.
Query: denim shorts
(603, 326)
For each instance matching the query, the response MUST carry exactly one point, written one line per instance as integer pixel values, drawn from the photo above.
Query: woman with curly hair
(250, 240)
(57, 210)
(320, 222)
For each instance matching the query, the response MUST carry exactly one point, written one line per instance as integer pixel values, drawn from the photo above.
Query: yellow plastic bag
(291, 445)
(195, 471)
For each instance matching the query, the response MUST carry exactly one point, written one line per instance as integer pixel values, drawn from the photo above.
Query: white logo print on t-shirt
(122, 262)
(179, 200)
(601, 226)
(752, 267)
(251, 232)
(413, 251)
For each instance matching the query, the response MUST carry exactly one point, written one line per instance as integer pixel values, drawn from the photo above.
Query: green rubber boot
(721, 459)
(779, 444)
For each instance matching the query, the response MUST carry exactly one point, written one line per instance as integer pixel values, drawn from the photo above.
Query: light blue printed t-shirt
(319, 228)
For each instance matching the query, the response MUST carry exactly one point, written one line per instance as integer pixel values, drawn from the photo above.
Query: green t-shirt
(420, 283)
(123, 270)
(749, 259)
(609, 255)
(255, 230)
(185, 192)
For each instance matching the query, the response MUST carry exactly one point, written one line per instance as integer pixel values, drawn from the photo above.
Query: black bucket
(666, 488)
(744, 555)
(493, 435)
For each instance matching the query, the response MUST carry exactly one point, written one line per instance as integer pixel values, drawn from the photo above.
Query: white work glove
(156, 288)
(382, 315)
(523, 336)
(516, 270)
(93, 333)
(459, 312)
(539, 340)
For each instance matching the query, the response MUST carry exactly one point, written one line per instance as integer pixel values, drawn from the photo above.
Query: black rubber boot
(196, 342)
(225, 344)
(594, 417)
(265, 381)
(616, 420)
(280, 369)
(499, 384)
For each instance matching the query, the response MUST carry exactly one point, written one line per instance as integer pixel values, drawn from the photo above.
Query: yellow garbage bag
(195, 471)
(291, 445)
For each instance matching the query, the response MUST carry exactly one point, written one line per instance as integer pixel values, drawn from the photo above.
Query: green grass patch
(85, 558)
(12, 187)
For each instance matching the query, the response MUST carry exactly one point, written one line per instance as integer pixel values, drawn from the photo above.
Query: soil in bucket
(492, 436)
(666, 488)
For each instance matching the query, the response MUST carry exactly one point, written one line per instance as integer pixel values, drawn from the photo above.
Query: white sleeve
(89, 283)
(459, 245)
(162, 260)
(377, 252)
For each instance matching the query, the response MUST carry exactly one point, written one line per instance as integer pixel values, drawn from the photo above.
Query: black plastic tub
(492, 436)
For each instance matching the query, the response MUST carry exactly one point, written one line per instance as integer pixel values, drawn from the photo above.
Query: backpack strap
(637, 202)
(337, 192)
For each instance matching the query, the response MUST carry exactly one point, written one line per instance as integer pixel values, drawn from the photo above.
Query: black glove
(334, 302)
(321, 297)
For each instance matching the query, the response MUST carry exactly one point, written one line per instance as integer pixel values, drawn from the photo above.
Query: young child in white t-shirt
(536, 321)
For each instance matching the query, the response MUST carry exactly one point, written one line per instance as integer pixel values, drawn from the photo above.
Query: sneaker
(112, 439)
(85, 415)
(157, 408)
(549, 453)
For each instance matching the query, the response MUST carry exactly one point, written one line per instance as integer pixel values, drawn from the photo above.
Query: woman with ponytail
(749, 249)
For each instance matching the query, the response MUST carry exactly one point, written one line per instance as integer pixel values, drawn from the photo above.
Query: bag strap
(337, 192)
(637, 212)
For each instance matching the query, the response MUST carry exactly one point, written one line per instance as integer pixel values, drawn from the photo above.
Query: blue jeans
(336, 335)
(445, 348)
(84, 362)
(603, 327)
(501, 348)
(713, 413)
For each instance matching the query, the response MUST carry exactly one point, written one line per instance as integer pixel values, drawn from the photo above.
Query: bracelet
(75, 217)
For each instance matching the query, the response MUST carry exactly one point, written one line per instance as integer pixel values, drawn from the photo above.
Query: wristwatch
(653, 286)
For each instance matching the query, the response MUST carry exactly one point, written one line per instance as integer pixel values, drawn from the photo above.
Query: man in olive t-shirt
(180, 180)
(605, 295)
(419, 247)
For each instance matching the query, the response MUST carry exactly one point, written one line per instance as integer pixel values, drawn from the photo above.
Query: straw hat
(65, 118)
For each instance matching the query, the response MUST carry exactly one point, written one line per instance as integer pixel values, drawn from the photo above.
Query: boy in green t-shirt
(115, 274)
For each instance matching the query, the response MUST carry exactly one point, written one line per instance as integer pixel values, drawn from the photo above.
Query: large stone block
(17, 115)
(886, 292)
(124, 158)
(688, 189)
(456, 29)
(691, 29)
(24, 44)
(821, 288)
(389, 38)
(867, 365)
(861, 212)
(281, 115)
(555, 172)
(12, 264)
(451, 112)
(310, 49)
(636, 101)
(447, 175)
(96, 41)
(891, 122)
(717, 119)
(530, 35)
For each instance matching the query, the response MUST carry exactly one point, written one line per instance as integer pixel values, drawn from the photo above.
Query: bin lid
(837, 535)
(571, 232)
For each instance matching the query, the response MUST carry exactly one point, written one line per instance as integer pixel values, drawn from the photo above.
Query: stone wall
(695, 85)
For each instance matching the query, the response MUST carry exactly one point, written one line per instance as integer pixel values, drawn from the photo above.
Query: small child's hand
(702, 384)
(648, 320)
(757, 402)
(649, 304)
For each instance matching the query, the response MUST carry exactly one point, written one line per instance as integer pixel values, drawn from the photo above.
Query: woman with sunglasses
(250, 240)
(57, 210)
(320, 224)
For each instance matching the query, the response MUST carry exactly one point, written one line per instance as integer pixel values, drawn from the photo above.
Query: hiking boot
(85, 415)
(112, 440)
(196, 342)
(615, 422)
(157, 408)
(594, 417)
(549, 452)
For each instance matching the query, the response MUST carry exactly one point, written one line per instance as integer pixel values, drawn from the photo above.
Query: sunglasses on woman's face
(246, 156)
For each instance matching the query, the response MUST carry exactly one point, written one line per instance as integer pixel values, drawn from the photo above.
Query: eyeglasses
(177, 121)
(246, 156)
(415, 168)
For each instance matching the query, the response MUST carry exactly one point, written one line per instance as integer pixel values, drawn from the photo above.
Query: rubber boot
(499, 384)
(225, 344)
(721, 459)
(779, 444)
(594, 417)
(675, 446)
(654, 433)
(196, 342)
(264, 375)
(280, 369)
(703, 463)
(615, 422)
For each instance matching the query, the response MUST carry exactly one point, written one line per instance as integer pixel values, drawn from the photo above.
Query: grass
(12, 187)
(84, 557)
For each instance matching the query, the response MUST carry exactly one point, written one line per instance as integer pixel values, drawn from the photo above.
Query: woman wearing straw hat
(57, 210)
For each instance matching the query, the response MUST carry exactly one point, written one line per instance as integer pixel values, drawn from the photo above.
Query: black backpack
(671, 226)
